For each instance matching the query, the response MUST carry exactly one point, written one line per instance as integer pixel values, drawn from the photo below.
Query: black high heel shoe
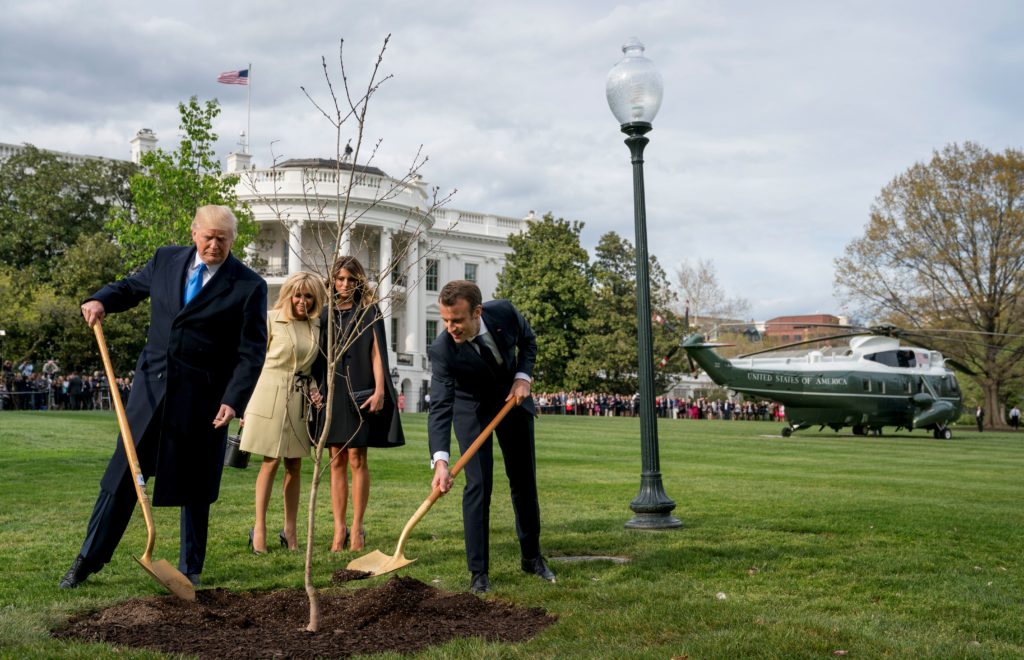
(343, 543)
(252, 533)
(362, 538)
(284, 541)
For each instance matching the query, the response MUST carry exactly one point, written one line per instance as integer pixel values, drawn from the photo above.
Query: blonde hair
(296, 282)
(214, 216)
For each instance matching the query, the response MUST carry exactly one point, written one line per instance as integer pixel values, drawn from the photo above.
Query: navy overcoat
(197, 356)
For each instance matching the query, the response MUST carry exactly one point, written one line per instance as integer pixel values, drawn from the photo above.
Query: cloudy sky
(780, 124)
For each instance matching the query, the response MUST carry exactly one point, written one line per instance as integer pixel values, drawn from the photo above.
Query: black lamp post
(634, 96)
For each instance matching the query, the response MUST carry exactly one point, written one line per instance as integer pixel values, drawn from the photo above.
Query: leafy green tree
(173, 185)
(546, 278)
(944, 249)
(607, 359)
(47, 202)
(43, 319)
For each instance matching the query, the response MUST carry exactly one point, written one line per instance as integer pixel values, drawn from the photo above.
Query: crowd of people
(23, 388)
(619, 405)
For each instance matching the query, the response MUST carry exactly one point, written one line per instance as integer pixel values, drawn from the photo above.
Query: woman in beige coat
(274, 424)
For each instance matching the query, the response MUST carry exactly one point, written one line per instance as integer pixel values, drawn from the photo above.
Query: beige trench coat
(274, 422)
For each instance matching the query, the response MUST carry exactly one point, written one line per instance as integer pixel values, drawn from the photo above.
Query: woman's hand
(375, 403)
(315, 397)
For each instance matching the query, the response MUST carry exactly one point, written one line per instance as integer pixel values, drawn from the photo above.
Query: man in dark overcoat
(204, 351)
(485, 357)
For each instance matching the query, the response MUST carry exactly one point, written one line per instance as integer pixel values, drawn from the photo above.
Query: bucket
(233, 454)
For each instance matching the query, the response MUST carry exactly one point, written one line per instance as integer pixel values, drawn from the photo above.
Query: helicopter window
(908, 386)
(897, 358)
(867, 385)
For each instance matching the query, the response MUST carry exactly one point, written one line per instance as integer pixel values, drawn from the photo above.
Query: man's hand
(93, 311)
(442, 478)
(520, 390)
(224, 415)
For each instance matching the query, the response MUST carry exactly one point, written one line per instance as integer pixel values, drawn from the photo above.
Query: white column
(414, 302)
(346, 241)
(294, 246)
(384, 279)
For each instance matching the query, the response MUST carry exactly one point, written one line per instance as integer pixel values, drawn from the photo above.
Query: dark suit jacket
(464, 391)
(196, 358)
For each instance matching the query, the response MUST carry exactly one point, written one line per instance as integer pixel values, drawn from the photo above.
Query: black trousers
(515, 436)
(113, 511)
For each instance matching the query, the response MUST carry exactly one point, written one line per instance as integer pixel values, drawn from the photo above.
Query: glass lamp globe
(634, 86)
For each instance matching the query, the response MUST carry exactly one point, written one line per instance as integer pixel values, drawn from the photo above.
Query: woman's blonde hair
(297, 282)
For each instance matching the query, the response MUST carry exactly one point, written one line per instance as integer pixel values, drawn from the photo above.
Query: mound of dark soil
(402, 615)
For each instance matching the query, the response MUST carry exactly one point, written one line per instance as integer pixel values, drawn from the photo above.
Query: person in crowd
(979, 417)
(484, 358)
(275, 426)
(364, 403)
(1015, 417)
(204, 351)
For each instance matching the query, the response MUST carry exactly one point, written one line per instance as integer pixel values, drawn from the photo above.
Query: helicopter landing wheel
(858, 429)
(946, 434)
(786, 432)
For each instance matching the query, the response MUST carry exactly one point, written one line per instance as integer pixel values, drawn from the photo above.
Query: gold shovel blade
(169, 576)
(378, 563)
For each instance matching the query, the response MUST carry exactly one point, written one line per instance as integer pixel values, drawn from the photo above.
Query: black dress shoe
(193, 578)
(479, 584)
(538, 567)
(76, 574)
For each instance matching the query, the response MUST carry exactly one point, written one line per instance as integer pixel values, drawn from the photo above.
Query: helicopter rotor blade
(928, 338)
(801, 343)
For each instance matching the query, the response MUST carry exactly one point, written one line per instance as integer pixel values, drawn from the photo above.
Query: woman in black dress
(364, 412)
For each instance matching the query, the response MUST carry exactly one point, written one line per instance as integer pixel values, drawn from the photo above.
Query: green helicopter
(876, 382)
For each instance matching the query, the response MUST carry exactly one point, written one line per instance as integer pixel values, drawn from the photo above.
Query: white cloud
(780, 124)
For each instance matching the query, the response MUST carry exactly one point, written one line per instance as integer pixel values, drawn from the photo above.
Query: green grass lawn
(900, 546)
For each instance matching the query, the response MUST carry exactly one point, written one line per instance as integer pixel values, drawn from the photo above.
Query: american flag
(234, 77)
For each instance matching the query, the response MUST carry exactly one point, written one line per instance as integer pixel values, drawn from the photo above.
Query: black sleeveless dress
(354, 373)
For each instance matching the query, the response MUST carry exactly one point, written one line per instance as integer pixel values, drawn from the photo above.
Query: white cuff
(440, 456)
(521, 376)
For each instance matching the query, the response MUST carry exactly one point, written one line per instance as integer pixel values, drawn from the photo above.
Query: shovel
(160, 569)
(378, 563)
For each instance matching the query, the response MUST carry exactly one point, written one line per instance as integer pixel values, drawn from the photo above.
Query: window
(394, 335)
(431, 278)
(471, 272)
(431, 331)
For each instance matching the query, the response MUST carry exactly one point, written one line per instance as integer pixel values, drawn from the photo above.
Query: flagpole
(248, 102)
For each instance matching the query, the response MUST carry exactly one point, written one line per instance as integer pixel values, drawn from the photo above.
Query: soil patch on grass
(401, 615)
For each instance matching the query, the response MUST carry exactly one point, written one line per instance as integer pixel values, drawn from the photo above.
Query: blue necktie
(195, 283)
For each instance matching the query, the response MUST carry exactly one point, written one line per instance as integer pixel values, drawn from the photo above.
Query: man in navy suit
(206, 344)
(484, 358)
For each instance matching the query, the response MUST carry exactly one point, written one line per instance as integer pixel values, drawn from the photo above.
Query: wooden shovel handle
(129, 443)
(477, 444)
(436, 493)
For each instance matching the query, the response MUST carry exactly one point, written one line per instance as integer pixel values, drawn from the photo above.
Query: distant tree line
(584, 311)
(67, 228)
